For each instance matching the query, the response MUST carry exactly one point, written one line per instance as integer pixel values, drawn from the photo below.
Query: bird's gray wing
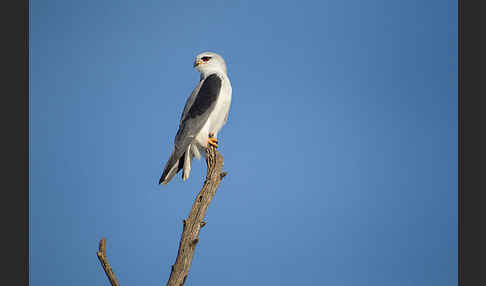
(190, 101)
(196, 112)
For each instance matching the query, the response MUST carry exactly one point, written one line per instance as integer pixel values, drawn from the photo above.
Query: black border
(471, 144)
(14, 118)
(26, 90)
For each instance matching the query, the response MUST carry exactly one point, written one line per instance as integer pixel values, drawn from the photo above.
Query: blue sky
(340, 148)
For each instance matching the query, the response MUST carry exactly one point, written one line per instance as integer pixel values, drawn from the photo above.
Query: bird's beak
(197, 62)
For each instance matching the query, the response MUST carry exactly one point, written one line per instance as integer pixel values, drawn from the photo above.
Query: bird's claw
(212, 141)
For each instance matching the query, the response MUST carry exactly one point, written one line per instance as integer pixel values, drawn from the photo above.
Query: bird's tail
(175, 164)
(172, 167)
(187, 157)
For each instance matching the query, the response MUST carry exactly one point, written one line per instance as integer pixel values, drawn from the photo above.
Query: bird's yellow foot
(212, 141)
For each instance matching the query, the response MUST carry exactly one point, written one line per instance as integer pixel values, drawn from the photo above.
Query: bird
(205, 112)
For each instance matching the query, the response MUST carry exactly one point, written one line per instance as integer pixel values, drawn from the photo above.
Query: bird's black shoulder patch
(207, 95)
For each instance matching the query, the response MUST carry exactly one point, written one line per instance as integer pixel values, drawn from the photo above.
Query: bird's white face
(209, 62)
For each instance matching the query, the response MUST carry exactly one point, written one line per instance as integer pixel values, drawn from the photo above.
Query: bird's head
(209, 62)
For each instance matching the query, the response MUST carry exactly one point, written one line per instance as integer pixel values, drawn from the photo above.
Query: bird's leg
(212, 140)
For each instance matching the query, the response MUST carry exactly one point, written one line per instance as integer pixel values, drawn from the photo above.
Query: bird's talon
(213, 142)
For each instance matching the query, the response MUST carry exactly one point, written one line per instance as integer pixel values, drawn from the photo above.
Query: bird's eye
(205, 59)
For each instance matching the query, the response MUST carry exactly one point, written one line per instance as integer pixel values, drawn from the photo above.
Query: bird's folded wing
(197, 111)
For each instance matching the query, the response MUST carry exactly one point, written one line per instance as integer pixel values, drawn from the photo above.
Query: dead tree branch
(193, 224)
(105, 264)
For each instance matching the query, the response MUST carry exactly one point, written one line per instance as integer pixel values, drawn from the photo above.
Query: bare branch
(191, 226)
(105, 264)
(194, 223)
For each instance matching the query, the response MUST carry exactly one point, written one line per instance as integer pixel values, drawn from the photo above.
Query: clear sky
(340, 148)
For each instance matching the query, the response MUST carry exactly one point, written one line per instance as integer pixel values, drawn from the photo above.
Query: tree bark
(193, 224)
